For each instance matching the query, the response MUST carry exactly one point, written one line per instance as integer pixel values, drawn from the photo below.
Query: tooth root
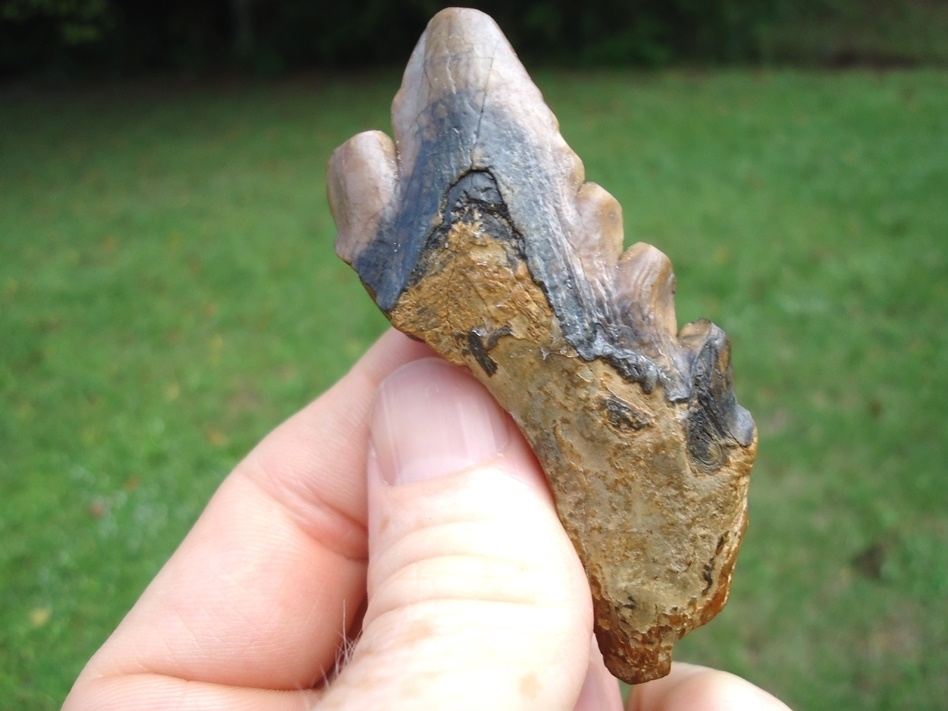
(360, 184)
(645, 284)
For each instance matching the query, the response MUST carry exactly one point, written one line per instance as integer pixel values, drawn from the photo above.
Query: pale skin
(403, 510)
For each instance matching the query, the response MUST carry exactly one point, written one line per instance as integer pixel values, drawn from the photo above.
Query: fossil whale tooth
(475, 231)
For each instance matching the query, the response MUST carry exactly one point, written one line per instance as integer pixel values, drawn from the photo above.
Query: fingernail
(432, 419)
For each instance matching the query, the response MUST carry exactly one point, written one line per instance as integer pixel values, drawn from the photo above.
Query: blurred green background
(169, 293)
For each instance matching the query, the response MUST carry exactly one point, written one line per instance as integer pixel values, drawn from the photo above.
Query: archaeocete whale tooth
(475, 231)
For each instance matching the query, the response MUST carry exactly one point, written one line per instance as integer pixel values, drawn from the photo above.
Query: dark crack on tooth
(480, 353)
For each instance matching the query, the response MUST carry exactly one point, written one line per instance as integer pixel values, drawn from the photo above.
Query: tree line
(129, 37)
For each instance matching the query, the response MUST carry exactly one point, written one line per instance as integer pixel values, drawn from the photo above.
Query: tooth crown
(476, 232)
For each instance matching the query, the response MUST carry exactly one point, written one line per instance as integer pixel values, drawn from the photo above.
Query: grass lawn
(169, 293)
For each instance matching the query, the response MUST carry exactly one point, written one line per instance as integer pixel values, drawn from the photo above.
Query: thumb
(476, 598)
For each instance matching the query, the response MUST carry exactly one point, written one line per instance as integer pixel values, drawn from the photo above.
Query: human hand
(407, 487)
